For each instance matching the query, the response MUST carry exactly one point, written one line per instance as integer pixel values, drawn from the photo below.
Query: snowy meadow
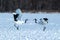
(30, 30)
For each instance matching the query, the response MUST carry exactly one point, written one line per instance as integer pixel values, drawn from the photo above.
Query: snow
(30, 30)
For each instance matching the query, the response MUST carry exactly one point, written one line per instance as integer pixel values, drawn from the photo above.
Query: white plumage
(18, 23)
(43, 21)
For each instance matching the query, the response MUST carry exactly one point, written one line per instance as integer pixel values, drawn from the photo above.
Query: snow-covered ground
(30, 30)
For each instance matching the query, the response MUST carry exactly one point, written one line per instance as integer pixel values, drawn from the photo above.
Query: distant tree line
(8, 5)
(38, 5)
